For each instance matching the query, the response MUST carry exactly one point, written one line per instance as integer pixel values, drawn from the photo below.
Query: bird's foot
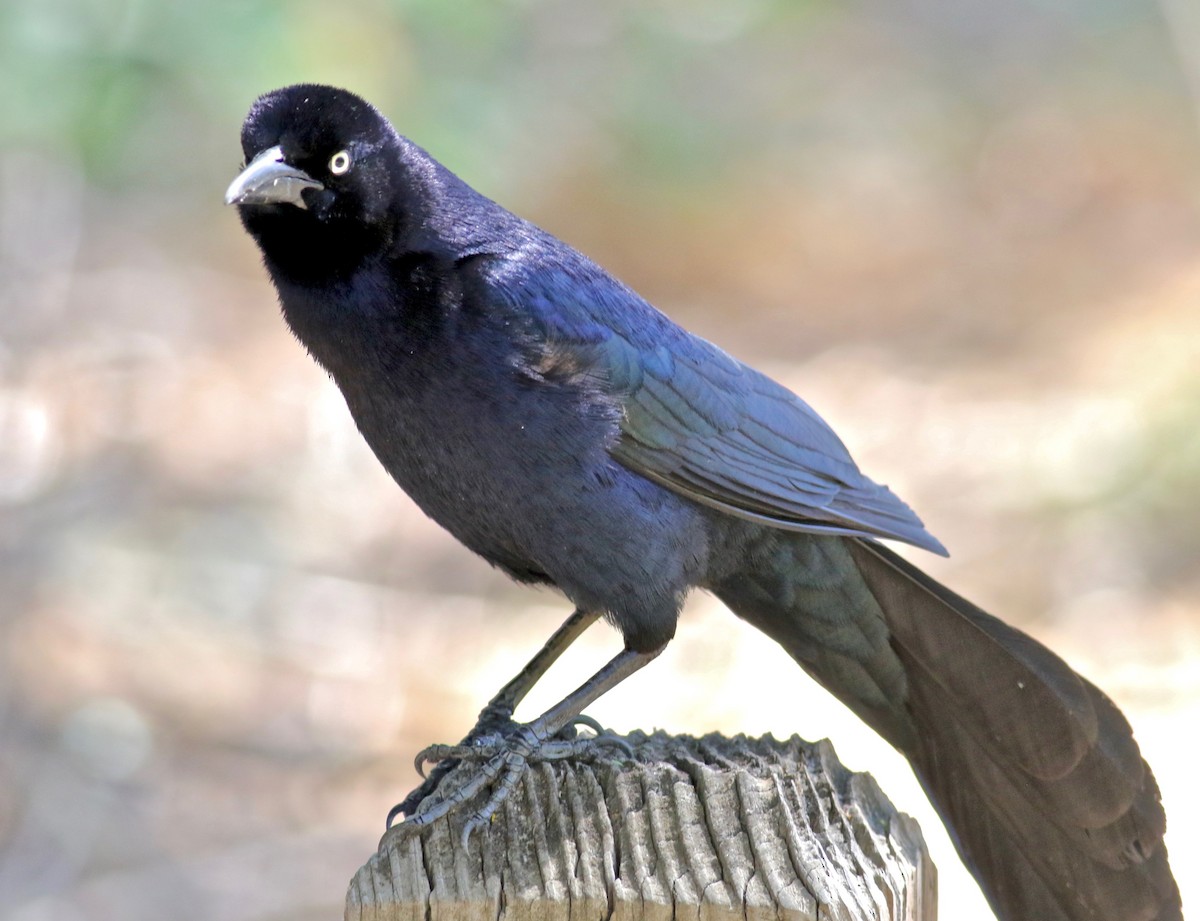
(494, 722)
(503, 751)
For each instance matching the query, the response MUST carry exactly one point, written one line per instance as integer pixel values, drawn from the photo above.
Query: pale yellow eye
(340, 162)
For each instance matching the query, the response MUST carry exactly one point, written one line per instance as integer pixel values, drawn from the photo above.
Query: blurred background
(966, 231)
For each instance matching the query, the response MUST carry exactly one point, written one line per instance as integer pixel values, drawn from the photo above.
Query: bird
(570, 434)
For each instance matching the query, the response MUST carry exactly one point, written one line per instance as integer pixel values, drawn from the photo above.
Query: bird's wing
(703, 424)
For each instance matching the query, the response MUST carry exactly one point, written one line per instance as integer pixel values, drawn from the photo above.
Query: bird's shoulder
(572, 312)
(575, 312)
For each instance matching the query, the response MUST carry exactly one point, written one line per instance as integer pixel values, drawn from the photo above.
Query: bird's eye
(340, 162)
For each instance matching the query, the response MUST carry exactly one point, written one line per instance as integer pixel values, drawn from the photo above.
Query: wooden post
(715, 829)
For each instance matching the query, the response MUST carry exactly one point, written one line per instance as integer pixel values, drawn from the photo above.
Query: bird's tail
(1033, 769)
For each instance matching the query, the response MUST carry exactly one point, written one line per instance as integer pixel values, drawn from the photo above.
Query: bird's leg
(495, 719)
(500, 708)
(505, 761)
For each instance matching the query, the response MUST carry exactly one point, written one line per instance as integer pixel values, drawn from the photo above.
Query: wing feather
(698, 421)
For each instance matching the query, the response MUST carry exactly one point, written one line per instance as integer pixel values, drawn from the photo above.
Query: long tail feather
(1034, 770)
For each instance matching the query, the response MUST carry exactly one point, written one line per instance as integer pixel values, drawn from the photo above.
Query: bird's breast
(482, 452)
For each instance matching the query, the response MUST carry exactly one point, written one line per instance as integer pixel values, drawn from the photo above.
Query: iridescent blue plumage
(695, 419)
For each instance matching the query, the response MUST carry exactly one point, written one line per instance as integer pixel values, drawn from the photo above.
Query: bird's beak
(270, 180)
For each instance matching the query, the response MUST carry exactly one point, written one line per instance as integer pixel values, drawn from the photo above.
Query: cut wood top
(713, 827)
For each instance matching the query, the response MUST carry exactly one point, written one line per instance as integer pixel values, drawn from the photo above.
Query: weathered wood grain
(710, 828)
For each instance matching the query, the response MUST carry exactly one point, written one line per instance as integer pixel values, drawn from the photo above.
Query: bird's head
(327, 182)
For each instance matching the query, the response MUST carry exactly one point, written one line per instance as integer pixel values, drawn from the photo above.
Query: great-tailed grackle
(570, 434)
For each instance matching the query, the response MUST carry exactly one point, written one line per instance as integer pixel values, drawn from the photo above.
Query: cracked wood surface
(711, 828)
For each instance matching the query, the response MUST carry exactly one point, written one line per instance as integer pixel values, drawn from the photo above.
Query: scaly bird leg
(501, 706)
(496, 718)
(505, 760)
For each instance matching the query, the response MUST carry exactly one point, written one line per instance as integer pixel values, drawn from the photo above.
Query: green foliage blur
(669, 92)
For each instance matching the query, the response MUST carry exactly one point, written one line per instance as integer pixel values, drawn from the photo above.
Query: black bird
(571, 435)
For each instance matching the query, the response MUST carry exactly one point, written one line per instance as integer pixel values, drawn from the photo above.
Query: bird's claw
(602, 736)
(502, 755)
(503, 764)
